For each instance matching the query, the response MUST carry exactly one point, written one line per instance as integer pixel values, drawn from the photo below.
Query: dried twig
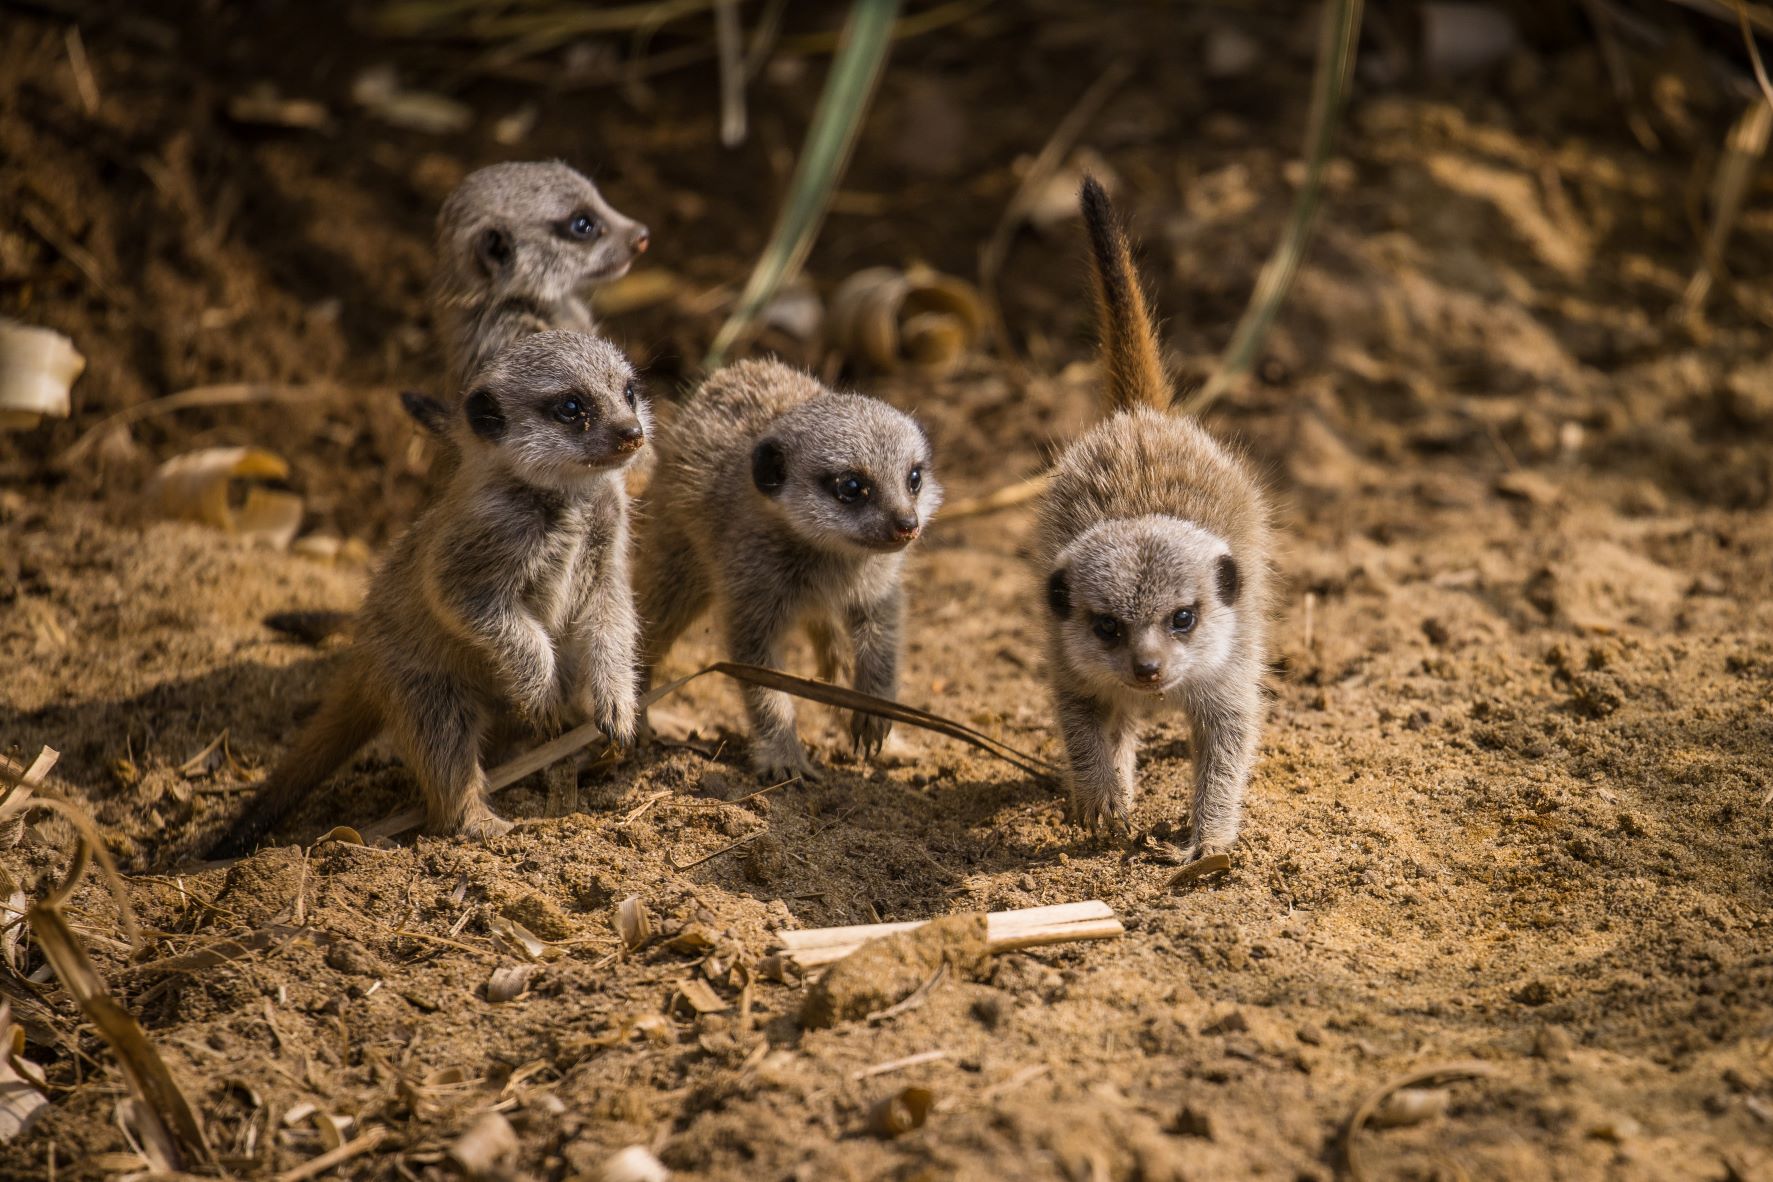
(893, 1065)
(725, 849)
(315, 1166)
(1026, 927)
(201, 396)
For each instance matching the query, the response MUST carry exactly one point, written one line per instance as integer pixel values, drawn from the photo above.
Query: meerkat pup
(781, 502)
(506, 602)
(517, 246)
(1153, 545)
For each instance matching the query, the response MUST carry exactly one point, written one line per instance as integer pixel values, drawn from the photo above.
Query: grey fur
(507, 603)
(745, 517)
(508, 264)
(1153, 549)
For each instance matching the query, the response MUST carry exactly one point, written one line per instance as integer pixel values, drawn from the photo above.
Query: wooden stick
(1027, 927)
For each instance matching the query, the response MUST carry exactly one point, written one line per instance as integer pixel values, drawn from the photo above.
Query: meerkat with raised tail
(781, 502)
(1153, 544)
(508, 600)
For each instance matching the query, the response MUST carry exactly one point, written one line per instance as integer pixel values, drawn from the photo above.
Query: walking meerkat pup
(506, 602)
(1153, 544)
(781, 502)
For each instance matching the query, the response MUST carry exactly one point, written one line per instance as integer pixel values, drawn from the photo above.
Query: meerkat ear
(1228, 578)
(484, 416)
(494, 249)
(769, 467)
(426, 411)
(1059, 594)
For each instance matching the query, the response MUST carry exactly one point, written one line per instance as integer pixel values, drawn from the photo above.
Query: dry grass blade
(849, 699)
(1052, 155)
(1743, 150)
(1754, 50)
(314, 1167)
(201, 396)
(829, 141)
(163, 1104)
(1329, 92)
(1438, 1073)
(732, 73)
(1004, 498)
(226, 951)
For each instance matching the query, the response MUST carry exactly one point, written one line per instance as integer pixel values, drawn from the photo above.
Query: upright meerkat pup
(507, 601)
(517, 245)
(1153, 545)
(782, 503)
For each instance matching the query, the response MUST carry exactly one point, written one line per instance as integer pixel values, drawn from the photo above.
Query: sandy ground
(1512, 806)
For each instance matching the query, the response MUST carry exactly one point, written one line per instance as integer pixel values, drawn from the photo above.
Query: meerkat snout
(558, 416)
(851, 474)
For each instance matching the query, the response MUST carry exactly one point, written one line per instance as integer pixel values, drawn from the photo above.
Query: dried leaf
(520, 941)
(487, 1145)
(343, 834)
(163, 1116)
(694, 938)
(21, 1098)
(633, 1164)
(701, 996)
(509, 982)
(378, 91)
(37, 367)
(633, 922)
(888, 318)
(16, 797)
(901, 1112)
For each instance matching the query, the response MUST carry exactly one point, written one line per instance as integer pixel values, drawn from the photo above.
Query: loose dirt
(1513, 802)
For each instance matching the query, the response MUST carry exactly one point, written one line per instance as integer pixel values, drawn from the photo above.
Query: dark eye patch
(1108, 630)
(850, 487)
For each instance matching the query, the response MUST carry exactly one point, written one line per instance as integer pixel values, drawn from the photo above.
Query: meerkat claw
(869, 733)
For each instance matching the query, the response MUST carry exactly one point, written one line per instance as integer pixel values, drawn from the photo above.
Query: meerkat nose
(630, 437)
(905, 527)
(1147, 671)
(642, 238)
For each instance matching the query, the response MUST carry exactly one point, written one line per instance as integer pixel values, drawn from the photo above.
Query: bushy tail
(1134, 372)
(346, 721)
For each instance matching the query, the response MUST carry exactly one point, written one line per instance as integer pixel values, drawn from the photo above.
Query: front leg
(605, 637)
(1101, 743)
(756, 619)
(521, 655)
(1224, 728)
(877, 633)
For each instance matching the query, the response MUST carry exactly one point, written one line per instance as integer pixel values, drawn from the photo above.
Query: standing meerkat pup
(517, 245)
(507, 601)
(1153, 545)
(782, 502)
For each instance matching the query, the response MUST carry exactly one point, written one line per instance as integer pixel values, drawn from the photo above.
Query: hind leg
(440, 730)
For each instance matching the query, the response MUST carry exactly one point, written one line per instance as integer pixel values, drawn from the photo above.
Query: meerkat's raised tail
(1134, 372)
(346, 721)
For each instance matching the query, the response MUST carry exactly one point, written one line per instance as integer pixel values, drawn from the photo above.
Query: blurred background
(1520, 202)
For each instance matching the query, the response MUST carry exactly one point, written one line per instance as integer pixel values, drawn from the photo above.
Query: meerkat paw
(869, 732)
(618, 720)
(1102, 812)
(477, 823)
(783, 759)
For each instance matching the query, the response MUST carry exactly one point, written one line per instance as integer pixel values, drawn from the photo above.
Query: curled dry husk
(901, 1112)
(885, 318)
(201, 485)
(37, 368)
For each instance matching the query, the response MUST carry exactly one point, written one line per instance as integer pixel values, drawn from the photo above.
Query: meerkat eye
(1106, 628)
(569, 410)
(628, 393)
(1183, 620)
(583, 225)
(849, 487)
(915, 480)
